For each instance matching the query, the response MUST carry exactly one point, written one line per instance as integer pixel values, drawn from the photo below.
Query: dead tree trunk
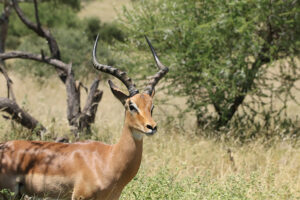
(10, 106)
(78, 120)
(18, 114)
(4, 19)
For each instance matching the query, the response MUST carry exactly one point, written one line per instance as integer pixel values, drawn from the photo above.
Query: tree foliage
(75, 36)
(221, 51)
(107, 31)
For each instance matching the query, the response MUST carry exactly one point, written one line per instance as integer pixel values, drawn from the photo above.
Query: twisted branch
(58, 64)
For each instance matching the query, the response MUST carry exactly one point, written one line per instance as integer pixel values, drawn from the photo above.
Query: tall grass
(176, 164)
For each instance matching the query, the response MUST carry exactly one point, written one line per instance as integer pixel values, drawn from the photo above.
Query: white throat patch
(137, 135)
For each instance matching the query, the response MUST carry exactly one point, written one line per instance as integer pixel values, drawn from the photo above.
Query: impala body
(84, 170)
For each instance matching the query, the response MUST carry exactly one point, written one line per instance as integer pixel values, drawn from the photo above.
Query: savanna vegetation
(228, 111)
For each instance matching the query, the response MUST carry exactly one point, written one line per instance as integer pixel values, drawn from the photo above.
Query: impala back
(36, 167)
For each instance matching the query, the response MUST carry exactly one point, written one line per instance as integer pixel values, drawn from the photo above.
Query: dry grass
(184, 154)
(106, 10)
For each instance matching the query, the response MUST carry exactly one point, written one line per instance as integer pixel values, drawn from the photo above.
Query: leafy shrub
(93, 26)
(75, 4)
(107, 31)
(221, 51)
(74, 46)
(50, 16)
(75, 40)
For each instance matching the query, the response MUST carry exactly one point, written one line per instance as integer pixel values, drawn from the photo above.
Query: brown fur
(83, 170)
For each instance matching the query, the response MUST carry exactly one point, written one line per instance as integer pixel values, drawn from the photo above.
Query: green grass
(166, 185)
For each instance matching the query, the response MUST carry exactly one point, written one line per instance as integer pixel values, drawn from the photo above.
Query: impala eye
(132, 107)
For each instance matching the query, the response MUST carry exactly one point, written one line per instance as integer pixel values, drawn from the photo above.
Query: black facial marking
(152, 109)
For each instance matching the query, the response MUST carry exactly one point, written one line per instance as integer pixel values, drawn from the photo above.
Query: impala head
(138, 106)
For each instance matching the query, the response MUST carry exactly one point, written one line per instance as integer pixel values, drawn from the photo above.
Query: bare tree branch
(91, 106)
(9, 104)
(36, 11)
(94, 92)
(40, 58)
(4, 20)
(77, 119)
(83, 121)
(10, 93)
(54, 49)
(42, 32)
(21, 116)
(73, 100)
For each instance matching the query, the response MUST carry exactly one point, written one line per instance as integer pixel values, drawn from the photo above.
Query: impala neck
(130, 143)
(129, 134)
(127, 153)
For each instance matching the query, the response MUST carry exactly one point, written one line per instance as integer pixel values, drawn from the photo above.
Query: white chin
(150, 133)
(137, 135)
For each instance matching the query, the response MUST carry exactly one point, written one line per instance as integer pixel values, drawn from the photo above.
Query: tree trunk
(4, 21)
(21, 116)
(77, 119)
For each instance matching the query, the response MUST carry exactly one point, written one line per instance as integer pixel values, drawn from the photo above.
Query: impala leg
(19, 186)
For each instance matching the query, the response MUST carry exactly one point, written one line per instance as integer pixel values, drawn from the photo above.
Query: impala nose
(153, 129)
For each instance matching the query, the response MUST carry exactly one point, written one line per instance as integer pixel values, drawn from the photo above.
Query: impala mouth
(150, 133)
(139, 133)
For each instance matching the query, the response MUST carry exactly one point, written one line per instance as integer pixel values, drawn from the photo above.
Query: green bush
(107, 31)
(220, 51)
(75, 4)
(50, 16)
(74, 38)
(93, 26)
(74, 46)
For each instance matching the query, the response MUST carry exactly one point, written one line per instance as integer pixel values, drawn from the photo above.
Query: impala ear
(117, 92)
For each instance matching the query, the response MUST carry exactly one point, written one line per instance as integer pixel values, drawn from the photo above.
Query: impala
(85, 170)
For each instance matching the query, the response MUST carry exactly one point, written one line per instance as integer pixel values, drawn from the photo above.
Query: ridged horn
(122, 76)
(163, 70)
